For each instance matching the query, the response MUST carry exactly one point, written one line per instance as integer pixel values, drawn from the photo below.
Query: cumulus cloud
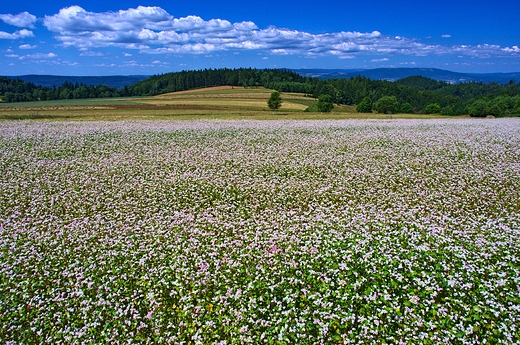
(514, 49)
(153, 30)
(76, 20)
(34, 57)
(446, 36)
(21, 20)
(24, 33)
(40, 56)
(91, 53)
(27, 46)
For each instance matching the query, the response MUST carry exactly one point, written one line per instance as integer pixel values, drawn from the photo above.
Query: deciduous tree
(387, 105)
(365, 106)
(406, 108)
(433, 108)
(275, 101)
(325, 104)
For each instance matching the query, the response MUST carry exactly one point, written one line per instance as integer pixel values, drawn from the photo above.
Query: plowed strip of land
(213, 88)
(122, 106)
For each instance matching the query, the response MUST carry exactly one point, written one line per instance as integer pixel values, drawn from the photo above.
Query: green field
(218, 103)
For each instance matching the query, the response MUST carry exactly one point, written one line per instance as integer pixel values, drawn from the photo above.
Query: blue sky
(150, 37)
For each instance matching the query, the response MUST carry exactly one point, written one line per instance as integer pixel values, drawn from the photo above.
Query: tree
(275, 101)
(387, 105)
(365, 106)
(406, 108)
(329, 89)
(325, 104)
(479, 108)
(433, 108)
(516, 107)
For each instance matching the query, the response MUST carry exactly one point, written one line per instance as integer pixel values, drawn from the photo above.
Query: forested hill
(113, 81)
(16, 90)
(394, 74)
(414, 94)
(186, 80)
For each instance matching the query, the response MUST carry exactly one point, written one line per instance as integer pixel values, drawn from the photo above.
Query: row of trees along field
(16, 90)
(408, 95)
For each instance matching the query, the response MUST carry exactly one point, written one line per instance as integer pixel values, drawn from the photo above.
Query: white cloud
(39, 56)
(105, 65)
(75, 19)
(514, 49)
(152, 30)
(446, 36)
(16, 35)
(21, 20)
(27, 46)
(91, 53)
(380, 60)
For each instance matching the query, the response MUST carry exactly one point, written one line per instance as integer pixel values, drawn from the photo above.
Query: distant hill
(393, 74)
(390, 74)
(117, 81)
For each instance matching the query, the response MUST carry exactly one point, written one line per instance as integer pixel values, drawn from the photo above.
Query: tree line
(408, 95)
(16, 90)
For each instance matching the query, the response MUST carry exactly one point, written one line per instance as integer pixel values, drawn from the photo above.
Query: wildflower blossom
(232, 232)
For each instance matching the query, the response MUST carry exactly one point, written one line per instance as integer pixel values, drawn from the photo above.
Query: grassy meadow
(209, 103)
(229, 230)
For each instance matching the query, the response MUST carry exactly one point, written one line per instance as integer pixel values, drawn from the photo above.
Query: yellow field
(224, 102)
(228, 97)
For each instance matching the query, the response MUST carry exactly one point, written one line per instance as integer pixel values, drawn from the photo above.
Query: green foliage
(516, 107)
(500, 106)
(278, 79)
(275, 101)
(325, 104)
(387, 105)
(420, 82)
(478, 108)
(406, 108)
(329, 89)
(16, 90)
(365, 106)
(433, 108)
(313, 108)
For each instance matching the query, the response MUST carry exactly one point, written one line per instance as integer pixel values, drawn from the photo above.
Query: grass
(209, 103)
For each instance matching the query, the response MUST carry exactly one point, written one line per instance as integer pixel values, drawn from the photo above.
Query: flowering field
(276, 232)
